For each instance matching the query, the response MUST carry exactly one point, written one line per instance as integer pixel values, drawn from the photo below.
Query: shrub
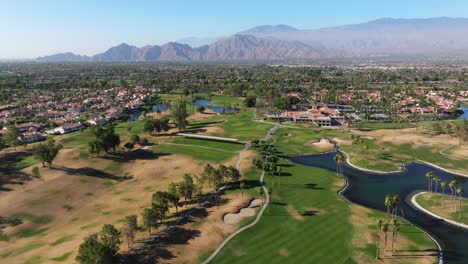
(35, 171)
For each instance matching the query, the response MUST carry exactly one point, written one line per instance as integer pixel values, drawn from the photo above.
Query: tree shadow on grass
(313, 186)
(249, 184)
(10, 173)
(156, 250)
(139, 154)
(87, 171)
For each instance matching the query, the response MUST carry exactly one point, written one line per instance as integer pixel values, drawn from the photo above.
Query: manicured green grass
(304, 214)
(387, 156)
(225, 99)
(444, 206)
(307, 221)
(376, 125)
(241, 126)
(196, 152)
(209, 143)
(32, 218)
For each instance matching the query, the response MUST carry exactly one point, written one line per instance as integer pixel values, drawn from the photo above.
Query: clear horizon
(31, 28)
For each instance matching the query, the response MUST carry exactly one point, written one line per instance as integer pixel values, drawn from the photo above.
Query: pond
(369, 189)
(465, 112)
(197, 103)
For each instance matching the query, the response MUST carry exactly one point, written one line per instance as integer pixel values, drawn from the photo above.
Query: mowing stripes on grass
(32, 218)
(31, 232)
(36, 259)
(62, 257)
(63, 239)
(21, 250)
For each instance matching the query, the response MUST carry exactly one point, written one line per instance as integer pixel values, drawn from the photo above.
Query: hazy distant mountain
(248, 47)
(196, 42)
(381, 37)
(387, 36)
(237, 47)
(267, 29)
(61, 57)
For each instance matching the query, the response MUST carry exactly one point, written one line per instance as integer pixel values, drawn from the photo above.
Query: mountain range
(379, 38)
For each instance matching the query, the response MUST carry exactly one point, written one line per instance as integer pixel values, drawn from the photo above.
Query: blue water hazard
(369, 189)
(197, 103)
(465, 113)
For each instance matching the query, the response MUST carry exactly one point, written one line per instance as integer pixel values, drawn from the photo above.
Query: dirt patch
(201, 116)
(246, 161)
(294, 213)
(407, 136)
(342, 141)
(213, 130)
(284, 252)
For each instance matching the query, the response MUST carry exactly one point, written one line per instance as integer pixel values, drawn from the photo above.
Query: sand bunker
(323, 143)
(234, 218)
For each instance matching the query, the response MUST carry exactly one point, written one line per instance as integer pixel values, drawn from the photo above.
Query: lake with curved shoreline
(465, 112)
(197, 103)
(369, 189)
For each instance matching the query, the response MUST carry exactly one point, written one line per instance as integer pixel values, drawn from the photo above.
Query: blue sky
(31, 28)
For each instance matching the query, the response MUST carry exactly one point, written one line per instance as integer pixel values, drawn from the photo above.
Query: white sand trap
(322, 143)
(234, 218)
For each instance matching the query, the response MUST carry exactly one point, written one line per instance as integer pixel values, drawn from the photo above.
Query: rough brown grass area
(95, 201)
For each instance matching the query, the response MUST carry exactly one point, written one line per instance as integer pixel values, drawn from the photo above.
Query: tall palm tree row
(453, 188)
(429, 176)
(459, 192)
(443, 185)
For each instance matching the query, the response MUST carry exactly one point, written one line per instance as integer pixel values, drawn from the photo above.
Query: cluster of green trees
(391, 224)
(11, 138)
(100, 248)
(219, 177)
(46, 152)
(156, 125)
(106, 139)
(180, 115)
(458, 129)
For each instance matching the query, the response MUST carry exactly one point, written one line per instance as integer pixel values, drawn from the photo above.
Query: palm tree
(385, 229)
(339, 159)
(453, 187)
(388, 204)
(459, 192)
(429, 176)
(395, 202)
(278, 174)
(379, 228)
(443, 185)
(395, 229)
(436, 180)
